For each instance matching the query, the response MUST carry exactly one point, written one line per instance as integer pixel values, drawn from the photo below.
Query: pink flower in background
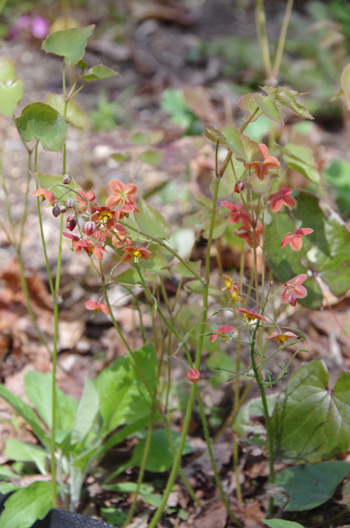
(220, 333)
(280, 198)
(39, 27)
(294, 238)
(294, 290)
(96, 307)
(236, 212)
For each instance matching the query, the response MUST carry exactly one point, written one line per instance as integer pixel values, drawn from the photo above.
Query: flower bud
(70, 203)
(89, 228)
(66, 179)
(62, 209)
(240, 186)
(71, 222)
(193, 375)
(56, 211)
(292, 299)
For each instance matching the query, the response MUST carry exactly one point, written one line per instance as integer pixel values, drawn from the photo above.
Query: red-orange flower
(280, 198)
(262, 168)
(75, 240)
(82, 205)
(104, 216)
(294, 290)
(220, 332)
(294, 238)
(193, 375)
(133, 253)
(96, 307)
(246, 231)
(44, 193)
(250, 314)
(281, 338)
(121, 193)
(91, 249)
(236, 212)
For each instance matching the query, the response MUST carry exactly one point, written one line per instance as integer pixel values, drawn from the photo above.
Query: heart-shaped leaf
(40, 121)
(233, 140)
(11, 94)
(69, 43)
(98, 72)
(309, 486)
(311, 421)
(74, 114)
(268, 107)
(151, 221)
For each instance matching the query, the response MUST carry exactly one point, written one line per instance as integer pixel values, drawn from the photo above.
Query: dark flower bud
(66, 179)
(56, 211)
(240, 186)
(71, 222)
(70, 203)
(62, 209)
(292, 299)
(89, 228)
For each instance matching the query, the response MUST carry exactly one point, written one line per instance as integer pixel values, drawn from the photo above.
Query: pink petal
(92, 305)
(285, 296)
(296, 243)
(117, 187)
(299, 279)
(226, 328)
(112, 201)
(104, 308)
(300, 292)
(130, 189)
(287, 239)
(276, 204)
(289, 201)
(264, 150)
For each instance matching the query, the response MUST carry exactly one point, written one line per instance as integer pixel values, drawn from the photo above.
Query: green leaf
(234, 140)
(185, 272)
(248, 103)
(268, 107)
(174, 104)
(286, 98)
(113, 516)
(68, 43)
(38, 389)
(27, 505)
(214, 134)
(301, 159)
(7, 487)
(159, 458)
(123, 396)
(86, 413)
(7, 70)
(345, 84)
(22, 452)
(312, 422)
(151, 221)
(224, 361)
(251, 149)
(53, 183)
(152, 157)
(280, 523)
(196, 286)
(98, 72)
(220, 226)
(130, 277)
(324, 252)
(11, 94)
(25, 411)
(7, 473)
(157, 264)
(243, 425)
(40, 121)
(75, 115)
(309, 486)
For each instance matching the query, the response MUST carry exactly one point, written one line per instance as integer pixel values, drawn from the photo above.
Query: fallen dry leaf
(213, 515)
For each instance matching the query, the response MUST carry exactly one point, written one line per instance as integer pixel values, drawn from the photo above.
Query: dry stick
(282, 39)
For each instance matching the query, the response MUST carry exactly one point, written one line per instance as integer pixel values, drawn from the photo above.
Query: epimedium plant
(290, 230)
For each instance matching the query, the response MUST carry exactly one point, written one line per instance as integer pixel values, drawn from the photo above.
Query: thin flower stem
(282, 39)
(165, 246)
(211, 456)
(25, 208)
(143, 463)
(262, 36)
(177, 461)
(266, 415)
(186, 423)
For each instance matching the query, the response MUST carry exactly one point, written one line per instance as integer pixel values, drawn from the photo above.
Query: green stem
(177, 461)
(266, 415)
(282, 39)
(262, 36)
(186, 423)
(211, 456)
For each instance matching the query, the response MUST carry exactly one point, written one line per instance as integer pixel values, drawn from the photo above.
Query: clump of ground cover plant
(303, 243)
